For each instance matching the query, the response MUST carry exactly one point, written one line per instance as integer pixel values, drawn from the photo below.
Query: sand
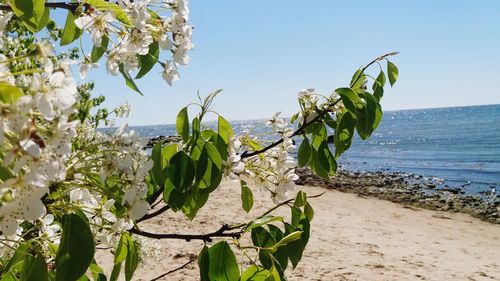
(352, 238)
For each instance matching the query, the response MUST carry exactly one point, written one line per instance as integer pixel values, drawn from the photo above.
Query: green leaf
(281, 254)
(98, 52)
(327, 118)
(357, 79)
(300, 199)
(132, 260)
(392, 72)
(71, 32)
(5, 173)
(369, 117)
(287, 239)
(76, 249)
(31, 12)
(194, 202)
(344, 132)
(104, 5)
(166, 154)
(225, 130)
(146, 62)
(182, 124)
(304, 153)
(203, 264)
(116, 272)
(181, 171)
(222, 263)
(9, 94)
(122, 249)
(220, 144)
(326, 159)
(262, 221)
(380, 79)
(256, 273)
(246, 197)
(35, 268)
(319, 135)
(350, 99)
(318, 167)
(157, 170)
(295, 249)
(309, 212)
(209, 168)
(128, 80)
(9, 276)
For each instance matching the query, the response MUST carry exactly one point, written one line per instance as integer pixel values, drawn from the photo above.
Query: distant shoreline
(403, 189)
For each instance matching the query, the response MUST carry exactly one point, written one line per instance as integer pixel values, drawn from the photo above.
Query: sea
(455, 147)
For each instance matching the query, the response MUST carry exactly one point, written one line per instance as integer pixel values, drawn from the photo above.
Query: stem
(54, 5)
(172, 271)
(154, 214)
(221, 232)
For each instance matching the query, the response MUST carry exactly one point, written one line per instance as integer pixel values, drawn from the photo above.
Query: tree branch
(172, 271)
(54, 5)
(221, 232)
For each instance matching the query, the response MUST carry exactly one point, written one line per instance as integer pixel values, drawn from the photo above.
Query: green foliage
(182, 124)
(224, 129)
(222, 264)
(246, 197)
(117, 11)
(76, 250)
(9, 94)
(35, 268)
(146, 62)
(98, 52)
(392, 72)
(369, 116)
(128, 79)
(32, 13)
(344, 132)
(304, 153)
(71, 32)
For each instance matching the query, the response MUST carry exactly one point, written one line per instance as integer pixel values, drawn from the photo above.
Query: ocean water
(458, 147)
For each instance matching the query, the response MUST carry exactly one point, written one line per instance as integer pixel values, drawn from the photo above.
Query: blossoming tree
(66, 187)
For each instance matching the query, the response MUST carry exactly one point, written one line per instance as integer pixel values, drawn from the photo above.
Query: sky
(262, 52)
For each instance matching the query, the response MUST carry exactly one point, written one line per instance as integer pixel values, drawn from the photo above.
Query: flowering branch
(302, 128)
(221, 232)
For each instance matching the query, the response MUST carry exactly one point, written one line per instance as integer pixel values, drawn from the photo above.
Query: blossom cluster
(274, 169)
(51, 162)
(125, 41)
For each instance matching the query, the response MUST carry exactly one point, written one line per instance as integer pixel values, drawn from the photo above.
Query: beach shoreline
(353, 237)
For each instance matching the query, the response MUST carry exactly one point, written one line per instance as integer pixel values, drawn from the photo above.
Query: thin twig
(154, 214)
(173, 270)
(221, 232)
(274, 208)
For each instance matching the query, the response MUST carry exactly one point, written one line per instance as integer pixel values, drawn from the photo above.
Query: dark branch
(54, 5)
(154, 214)
(302, 128)
(172, 271)
(221, 232)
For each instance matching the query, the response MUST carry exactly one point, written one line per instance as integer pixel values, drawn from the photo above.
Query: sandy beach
(353, 238)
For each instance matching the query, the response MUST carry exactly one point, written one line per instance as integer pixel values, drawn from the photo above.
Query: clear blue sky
(263, 52)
